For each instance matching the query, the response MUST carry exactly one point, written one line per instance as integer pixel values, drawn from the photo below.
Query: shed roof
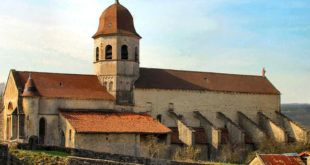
(113, 122)
(190, 80)
(280, 160)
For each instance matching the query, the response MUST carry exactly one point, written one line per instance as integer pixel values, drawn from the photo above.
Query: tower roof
(30, 88)
(116, 20)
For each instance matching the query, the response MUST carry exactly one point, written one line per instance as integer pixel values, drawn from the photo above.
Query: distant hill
(297, 112)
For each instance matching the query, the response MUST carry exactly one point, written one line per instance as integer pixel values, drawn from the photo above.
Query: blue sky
(230, 36)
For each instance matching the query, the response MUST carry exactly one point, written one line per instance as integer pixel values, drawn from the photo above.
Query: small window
(105, 84)
(97, 54)
(158, 118)
(70, 132)
(124, 52)
(110, 86)
(136, 54)
(10, 106)
(108, 52)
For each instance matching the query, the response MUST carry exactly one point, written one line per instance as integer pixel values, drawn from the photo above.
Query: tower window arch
(108, 52)
(136, 54)
(124, 52)
(110, 86)
(10, 106)
(97, 54)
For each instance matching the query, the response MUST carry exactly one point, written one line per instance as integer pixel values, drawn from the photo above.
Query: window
(42, 130)
(136, 54)
(97, 54)
(62, 139)
(124, 52)
(10, 106)
(110, 86)
(105, 84)
(70, 132)
(158, 118)
(108, 52)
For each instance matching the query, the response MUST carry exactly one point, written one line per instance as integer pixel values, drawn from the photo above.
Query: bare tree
(2, 86)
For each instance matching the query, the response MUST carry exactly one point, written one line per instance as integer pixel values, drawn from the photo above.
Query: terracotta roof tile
(281, 160)
(113, 122)
(307, 153)
(66, 85)
(189, 80)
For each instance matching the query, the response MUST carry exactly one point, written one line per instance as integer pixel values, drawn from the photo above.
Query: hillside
(297, 112)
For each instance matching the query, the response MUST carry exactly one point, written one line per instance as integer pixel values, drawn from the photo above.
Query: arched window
(124, 52)
(110, 86)
(108, 52)
(10, 106)
(97, 54)
(136, 54)
(158, 118)
(62, 139)
(42, 127)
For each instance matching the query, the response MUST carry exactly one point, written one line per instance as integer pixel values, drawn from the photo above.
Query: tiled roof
(281, 160)
(189, 80)
(116, 20)
(65, 85)
(114, 122)
(307, 153)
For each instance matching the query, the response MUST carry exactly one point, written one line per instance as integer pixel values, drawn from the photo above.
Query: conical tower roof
(30, 88)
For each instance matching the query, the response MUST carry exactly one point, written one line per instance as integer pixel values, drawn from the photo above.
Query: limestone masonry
(116, 109)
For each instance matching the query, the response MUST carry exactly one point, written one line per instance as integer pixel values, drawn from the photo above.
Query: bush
(155, 147)
(233, 153)
(187, 153)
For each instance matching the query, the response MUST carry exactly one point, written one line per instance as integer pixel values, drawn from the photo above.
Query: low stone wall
(81, 161)
(79, 156)
(4, 151)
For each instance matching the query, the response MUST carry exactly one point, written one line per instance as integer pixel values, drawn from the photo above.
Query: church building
(115, 109)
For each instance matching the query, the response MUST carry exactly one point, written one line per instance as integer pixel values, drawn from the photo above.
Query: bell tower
(116, 53)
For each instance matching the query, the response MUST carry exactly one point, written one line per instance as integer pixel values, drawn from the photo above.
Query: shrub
(155, 146)
(187, 153)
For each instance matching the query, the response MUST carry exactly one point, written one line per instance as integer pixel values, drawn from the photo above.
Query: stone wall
(79, 157)
(127, 144)
(273, 130)
(207, 103)
(256, 134)
(213, 135)
(235, 133)
(186, 134)
(294, 129)
(4, 151)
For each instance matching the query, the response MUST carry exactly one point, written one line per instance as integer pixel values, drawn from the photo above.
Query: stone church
(115, 109)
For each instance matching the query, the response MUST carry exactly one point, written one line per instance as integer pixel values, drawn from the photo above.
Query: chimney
(264, 72)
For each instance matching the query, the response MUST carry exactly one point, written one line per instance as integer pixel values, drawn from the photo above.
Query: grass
(39, 156)
(51, 153)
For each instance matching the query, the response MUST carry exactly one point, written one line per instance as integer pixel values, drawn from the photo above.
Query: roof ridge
(76, 74)
(177, 70)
